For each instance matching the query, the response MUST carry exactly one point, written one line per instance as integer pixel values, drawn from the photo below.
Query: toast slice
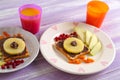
(70, 56)
(6, 56)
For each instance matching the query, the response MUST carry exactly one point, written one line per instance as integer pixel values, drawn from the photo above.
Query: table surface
(56, 11)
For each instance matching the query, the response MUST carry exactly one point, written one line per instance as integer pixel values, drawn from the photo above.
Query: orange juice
(30, 12)
(96, 11)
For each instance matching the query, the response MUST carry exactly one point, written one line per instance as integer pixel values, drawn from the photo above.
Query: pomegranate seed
(74, 33)
(55, 39)
(22, 61)
(8, 66)
(13, 65)
(63, 34)
(66, 36)
(10, 63)
(3, 66)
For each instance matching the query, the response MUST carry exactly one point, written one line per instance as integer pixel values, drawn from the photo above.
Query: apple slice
(88, 37)
(93, 41)
(80, 32)
(96, 49)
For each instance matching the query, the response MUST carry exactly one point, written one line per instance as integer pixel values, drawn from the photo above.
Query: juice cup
(96, 11)
(30, 16)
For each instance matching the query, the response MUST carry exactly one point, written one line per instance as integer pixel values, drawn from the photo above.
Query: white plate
(102, 60)
(31, 43)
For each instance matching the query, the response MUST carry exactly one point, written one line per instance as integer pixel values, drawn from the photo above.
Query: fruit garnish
(14, 46)
(93, 41)
(90, 39)
(73, 45)
(88, 60)
(6, 34)
(96, 49)
(80, 32)
(65, 36)
(12, 64)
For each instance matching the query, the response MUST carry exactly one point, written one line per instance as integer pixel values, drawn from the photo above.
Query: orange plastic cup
(96, 11)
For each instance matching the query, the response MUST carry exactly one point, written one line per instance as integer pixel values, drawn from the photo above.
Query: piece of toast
(70, 56)
(7, 57)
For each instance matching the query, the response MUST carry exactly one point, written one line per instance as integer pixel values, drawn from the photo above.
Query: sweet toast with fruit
(13, 47)
(71, 47)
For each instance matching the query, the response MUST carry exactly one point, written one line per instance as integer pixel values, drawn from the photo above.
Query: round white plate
(31, 43)
(102, 59)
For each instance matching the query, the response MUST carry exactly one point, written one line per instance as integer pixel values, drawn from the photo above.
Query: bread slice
(70, 56)
(6, 56)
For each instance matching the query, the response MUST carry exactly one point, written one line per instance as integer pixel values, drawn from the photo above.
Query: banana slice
(73, 45)
(14, 46)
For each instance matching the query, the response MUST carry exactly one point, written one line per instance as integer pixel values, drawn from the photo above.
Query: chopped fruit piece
(1, 37)
(75, 61)
(80, 32)
(3, 67)
(96, 49)
(88, 37)
(89, 60)
(6, 34)
(93, 41)
(82, 57)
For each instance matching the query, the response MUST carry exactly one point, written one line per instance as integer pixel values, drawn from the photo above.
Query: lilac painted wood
(55, 11)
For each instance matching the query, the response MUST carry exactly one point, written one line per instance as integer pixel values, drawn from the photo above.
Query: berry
(3, 67)
(64, 36)
(12, 64)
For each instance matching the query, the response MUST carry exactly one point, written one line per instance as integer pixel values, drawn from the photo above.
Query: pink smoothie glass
(30, 23)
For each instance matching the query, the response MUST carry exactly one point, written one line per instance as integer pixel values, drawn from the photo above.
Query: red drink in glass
(30, 16)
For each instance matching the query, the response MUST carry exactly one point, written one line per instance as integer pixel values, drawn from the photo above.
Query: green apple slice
(80, 32)
(96, 49)
(88, 37)
(93, 41)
